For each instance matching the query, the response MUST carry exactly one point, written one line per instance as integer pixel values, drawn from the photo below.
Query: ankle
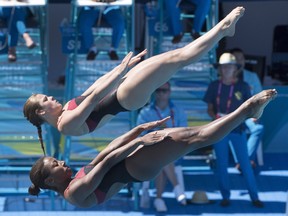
(12, 49)
(28, 40)
(12, 54)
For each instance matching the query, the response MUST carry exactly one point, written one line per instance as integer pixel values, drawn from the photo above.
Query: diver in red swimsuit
(130, 90)
(109, 105)
(131, 158)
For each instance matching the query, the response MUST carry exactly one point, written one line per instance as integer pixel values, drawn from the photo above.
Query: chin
(59, 107)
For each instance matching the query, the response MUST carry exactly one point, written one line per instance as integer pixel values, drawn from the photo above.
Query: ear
(40, 112)
(49, 181)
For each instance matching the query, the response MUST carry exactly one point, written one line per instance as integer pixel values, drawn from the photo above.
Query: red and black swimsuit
(117, 174)
(108, 105)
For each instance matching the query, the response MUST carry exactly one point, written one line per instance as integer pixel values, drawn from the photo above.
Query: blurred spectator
(255, 128)
(173, 8)
(162, 107)
(223, 96)
(113, 16)
(15, 18)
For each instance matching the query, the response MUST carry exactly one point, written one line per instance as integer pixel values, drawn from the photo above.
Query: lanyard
(228, 104)
(171, 115)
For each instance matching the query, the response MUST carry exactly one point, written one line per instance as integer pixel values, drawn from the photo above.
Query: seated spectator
(15, 18)
(113, 16)
(201, 10)
(162, 107)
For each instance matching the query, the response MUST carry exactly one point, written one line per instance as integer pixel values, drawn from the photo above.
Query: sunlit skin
(60, 117)
(49, 104)
(145, 156)
(162, 99)
(138, 152)
(50, 108)
(135, 80)
(57, 168)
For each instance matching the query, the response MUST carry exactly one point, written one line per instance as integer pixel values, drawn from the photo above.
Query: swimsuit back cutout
(108, 105)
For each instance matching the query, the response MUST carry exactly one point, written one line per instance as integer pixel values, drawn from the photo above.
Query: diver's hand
(153, 124)
(153, 137)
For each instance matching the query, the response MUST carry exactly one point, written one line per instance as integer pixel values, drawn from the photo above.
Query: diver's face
(48, 103)
(57, 169)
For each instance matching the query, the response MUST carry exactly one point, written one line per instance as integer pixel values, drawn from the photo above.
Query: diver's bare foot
(229, 22)
(258, 102)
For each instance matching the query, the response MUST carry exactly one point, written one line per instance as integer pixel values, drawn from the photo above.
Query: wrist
(140, 141)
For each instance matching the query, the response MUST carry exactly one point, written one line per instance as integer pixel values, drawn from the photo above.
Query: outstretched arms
(127, 137)
(81, 191)
(75, 119)
(73, 122)
(111, 75)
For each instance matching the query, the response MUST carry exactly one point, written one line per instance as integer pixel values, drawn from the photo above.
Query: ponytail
(39, 130)
(34, 190)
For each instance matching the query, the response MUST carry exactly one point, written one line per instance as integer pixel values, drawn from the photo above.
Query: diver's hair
(37, 177)
(33, 190)
(39, 130)
(29, 111)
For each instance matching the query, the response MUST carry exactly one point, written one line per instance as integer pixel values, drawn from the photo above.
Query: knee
(118, 24)
(261, 128)
(119, 28)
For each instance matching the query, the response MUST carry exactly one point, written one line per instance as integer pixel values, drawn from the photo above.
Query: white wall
(254, 32)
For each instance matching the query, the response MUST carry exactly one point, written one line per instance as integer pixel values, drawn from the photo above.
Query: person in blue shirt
(223, 96)
(86, 20)
(159, 108)
(15, 18)
(256, 129)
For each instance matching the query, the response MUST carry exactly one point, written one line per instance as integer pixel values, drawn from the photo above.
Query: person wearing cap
(256, 129)
(223, 96)
(160, 107)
